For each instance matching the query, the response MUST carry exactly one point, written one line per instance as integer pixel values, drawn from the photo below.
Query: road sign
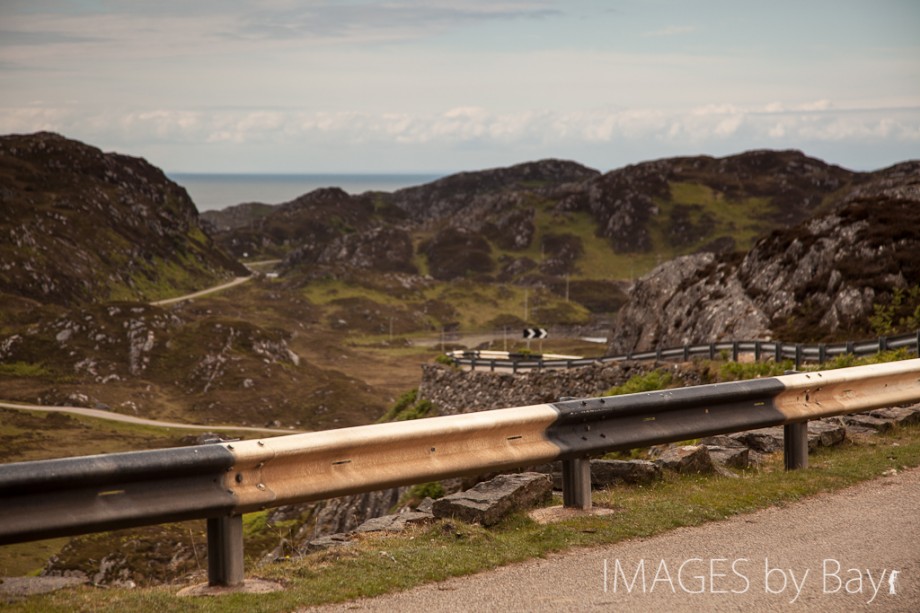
(535, 333)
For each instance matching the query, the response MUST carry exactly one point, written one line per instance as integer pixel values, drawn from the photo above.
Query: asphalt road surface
(833, 552)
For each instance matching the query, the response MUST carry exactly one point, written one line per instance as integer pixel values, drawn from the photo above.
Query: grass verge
(377, 565)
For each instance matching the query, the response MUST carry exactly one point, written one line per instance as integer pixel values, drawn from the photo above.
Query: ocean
(212, 192)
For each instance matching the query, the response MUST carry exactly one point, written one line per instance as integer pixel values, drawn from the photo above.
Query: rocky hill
(535, 222)
(850, 271)
(80, 225)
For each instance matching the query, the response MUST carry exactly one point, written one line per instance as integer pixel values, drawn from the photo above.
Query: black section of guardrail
(601, 425)
(50, 498)
(778, 350)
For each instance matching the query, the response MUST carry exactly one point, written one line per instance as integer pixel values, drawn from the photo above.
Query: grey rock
(764, 440)
(425, 505)
(687, 459)
(490, 501)
(328, 542)
(736, 457)
(864, 420)
(634, 472)
(901, 416)
(825, 433)
(394, 523)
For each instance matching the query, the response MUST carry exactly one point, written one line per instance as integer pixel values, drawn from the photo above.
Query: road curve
(204, 292)
(833, 552)
(129, 419)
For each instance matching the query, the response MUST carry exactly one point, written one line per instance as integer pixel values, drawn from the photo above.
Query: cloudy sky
(411, 86)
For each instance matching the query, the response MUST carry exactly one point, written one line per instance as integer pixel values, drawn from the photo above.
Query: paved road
(100, 414)
(796, 558)
(210, 290)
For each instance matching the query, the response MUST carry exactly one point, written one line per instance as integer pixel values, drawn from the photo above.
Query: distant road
(100, 414)
(210, 290)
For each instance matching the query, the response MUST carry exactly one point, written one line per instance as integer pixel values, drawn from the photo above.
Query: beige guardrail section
(320, 465)
(835, 392)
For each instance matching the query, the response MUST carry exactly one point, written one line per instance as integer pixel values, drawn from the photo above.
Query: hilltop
(86, 226)
(848, 272)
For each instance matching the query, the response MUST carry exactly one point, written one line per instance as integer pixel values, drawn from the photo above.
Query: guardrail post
(734, 351)
(757, 349)
(687, 353)
(822, 353)
(795, 445)
(882, 344)
(712, 351)
(851, 348)
(658, 354)
(225, 550)
(576, 483)
(777, 352)
(918, 344)
(472, 363)
(798, 356)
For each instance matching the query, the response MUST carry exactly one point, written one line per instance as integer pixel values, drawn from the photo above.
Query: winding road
(129, 419)
(107, 415)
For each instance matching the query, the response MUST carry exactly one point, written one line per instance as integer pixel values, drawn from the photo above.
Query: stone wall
(457, 391)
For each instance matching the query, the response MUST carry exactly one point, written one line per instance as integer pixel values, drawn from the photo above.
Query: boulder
(394, 523)
(634, 472)
(764, 440)
(901, 416)
(866, 423)
(734, 456)
(328, 542)
(687, 459)
(489, 502)
(825, 433)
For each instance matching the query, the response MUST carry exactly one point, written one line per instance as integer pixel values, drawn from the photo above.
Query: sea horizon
(216, 191)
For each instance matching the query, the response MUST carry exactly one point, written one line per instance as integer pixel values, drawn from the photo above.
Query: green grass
(381, 564)
(24, 369)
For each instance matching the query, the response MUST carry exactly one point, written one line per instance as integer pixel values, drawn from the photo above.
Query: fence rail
(778, 350)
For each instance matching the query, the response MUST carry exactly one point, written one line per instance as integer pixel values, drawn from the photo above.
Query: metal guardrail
(222, 481)
(778, 350)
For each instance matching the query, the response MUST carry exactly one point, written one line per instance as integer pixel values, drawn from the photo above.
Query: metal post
(777, 352)
(712, 351)
(918, 343)
(822, 353)
(795, 445)
(576, 483)
(798, 356)
(882, 344)
(757, 349)
(851, 348)
(734, 351)
(225, 550)
(686, 353)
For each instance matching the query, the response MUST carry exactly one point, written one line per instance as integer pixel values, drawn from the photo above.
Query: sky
(349, 86)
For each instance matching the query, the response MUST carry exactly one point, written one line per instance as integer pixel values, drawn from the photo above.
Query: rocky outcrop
(821, 279)
(80, 226)
(463, 192)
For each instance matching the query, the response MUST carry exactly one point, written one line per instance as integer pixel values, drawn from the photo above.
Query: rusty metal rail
(222, 481)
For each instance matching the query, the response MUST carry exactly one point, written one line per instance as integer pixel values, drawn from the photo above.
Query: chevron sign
(535, 333)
